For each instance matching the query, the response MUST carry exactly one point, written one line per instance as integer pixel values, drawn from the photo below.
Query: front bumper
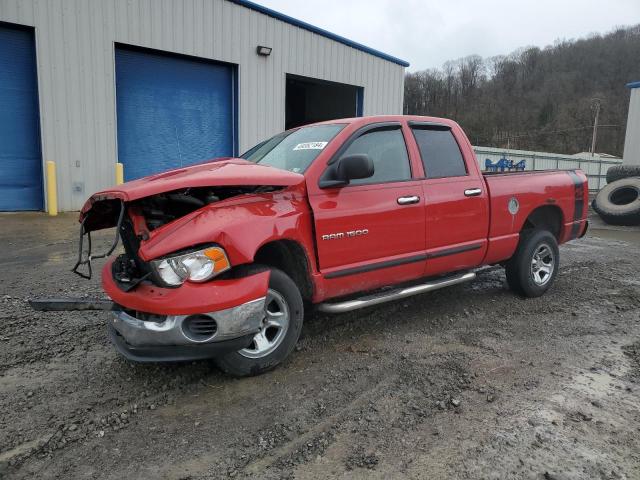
(191, 322)
(172, 338)
(175, 353)
(228, 324)
(189, 298)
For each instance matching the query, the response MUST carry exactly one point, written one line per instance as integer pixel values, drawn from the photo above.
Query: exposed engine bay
(155, 211)
(164, 208)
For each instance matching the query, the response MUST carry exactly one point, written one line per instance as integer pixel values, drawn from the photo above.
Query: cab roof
(362, 121)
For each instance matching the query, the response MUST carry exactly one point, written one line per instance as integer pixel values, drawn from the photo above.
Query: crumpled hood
(220, 172)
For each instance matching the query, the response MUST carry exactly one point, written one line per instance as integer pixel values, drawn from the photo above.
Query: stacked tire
(618, 172)
(618, 203)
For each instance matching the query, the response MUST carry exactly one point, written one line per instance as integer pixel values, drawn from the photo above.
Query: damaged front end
(86, 257)
(167, 308)
(177, 293)
(142, 209)
(135, 221)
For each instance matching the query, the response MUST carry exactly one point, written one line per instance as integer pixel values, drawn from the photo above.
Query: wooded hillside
(536, 99)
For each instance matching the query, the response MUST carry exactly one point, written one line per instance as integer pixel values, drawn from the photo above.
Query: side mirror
(355, 166)
(347, 168)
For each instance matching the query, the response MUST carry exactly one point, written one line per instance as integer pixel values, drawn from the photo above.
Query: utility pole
(595, 106)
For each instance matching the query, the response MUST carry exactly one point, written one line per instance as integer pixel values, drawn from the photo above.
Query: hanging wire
(86, 260)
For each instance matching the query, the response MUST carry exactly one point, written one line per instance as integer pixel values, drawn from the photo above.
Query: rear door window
(440, 152)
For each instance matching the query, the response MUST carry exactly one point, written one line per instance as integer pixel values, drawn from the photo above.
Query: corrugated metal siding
(594, 168)
(75, 55)
(632, 138)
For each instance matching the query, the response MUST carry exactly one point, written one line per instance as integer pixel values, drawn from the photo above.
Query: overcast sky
(427, 33)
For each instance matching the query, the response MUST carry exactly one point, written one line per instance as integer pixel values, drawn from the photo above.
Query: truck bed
(514, 196)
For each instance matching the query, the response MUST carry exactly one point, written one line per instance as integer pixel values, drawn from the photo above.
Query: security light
(264, 51)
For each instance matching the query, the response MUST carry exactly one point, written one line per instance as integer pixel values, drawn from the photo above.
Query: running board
(397, 294)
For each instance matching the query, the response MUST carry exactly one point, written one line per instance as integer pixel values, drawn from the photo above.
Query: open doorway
(310, 100)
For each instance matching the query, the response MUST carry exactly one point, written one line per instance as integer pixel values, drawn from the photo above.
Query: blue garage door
(20, 158)
(172, 111)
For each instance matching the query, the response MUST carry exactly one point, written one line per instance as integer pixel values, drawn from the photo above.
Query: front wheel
(281, 326)
(534, 266)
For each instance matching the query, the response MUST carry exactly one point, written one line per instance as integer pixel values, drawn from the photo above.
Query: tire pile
(618, 203)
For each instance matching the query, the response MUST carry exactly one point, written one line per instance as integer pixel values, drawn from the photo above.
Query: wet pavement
(466, 382)
(613, 232)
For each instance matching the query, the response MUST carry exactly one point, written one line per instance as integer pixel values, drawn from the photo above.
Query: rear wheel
(534, 266)
(281, 326)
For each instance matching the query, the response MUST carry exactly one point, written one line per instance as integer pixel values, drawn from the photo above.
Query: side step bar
(397, 294)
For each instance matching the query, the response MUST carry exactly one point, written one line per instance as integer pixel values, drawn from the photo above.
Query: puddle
(596, 393)
(21, 449)
(629, 236)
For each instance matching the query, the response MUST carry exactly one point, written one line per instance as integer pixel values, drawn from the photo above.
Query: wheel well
(290, 257)
(548, 217)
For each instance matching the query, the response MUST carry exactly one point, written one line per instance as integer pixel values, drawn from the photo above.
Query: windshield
(293, 150)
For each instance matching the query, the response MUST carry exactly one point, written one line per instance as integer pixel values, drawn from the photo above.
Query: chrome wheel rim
(542, 264)
(274, 327)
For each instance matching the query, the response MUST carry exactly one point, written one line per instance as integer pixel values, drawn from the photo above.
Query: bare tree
(536, 98)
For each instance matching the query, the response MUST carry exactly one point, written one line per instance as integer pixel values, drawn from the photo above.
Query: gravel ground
(467, 382)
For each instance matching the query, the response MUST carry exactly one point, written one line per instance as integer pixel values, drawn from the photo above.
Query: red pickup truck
(222, 258)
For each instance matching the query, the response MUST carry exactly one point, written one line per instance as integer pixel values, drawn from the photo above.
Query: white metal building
(156, 84)
(632, 139)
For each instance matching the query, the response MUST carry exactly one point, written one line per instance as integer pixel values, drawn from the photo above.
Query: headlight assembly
(198, 266)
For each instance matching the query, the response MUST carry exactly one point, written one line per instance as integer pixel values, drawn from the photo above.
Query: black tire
(238, 364)
(520, 270)
(618, 172)
(618, 203)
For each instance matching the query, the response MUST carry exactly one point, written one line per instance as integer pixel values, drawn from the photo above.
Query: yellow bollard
(52, 190)
(119, 173)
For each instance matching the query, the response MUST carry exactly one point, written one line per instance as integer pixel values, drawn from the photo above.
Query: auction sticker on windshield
(310, 146)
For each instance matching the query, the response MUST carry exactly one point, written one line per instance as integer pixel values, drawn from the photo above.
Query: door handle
(408, 200)
(472, 192)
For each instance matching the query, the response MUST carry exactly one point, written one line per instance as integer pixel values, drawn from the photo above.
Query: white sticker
(310, 146)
